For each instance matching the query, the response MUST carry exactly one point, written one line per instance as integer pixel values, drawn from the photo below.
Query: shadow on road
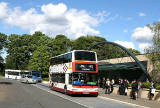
(7, 83)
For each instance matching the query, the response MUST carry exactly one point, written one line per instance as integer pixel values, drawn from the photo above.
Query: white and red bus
(74, 72)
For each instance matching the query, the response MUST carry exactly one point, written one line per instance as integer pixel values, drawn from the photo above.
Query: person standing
(139, 89)
(103, 83)
(107, 87)
(134, 90)
(152, 91)
(112, 83)
(126, 87)
(120, 87)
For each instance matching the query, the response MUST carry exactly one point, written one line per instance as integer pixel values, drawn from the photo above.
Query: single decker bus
(15, 74)
(74, 72)
(36, 75)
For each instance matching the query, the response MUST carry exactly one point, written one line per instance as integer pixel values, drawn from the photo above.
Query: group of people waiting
(123, 84)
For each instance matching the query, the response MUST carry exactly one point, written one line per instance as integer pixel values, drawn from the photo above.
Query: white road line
(123, 102)
(62, 97)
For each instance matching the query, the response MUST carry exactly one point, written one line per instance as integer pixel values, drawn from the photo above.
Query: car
(28, 80)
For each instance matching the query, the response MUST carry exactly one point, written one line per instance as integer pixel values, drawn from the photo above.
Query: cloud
(142, 14)
(125, 31)
(3, 10)
(142, 34)
(125, 44)
(143, 46)
(52, 20)
(105, 17)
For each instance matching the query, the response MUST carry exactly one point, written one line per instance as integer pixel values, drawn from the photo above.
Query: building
(124, 67)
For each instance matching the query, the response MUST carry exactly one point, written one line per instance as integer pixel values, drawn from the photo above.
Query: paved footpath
(139, 101)
(126, 99)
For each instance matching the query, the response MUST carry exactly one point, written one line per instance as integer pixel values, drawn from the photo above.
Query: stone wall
(144, 93)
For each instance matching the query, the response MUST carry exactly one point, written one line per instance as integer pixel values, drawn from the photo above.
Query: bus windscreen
(85, 79)
(36, 73)
(83, 55)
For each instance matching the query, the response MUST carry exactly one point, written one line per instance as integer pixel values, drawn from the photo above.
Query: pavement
(139, 101)
(126, 99)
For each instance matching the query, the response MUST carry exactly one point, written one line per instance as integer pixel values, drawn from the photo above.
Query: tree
(3, 39)
(104, 51)
(153, 52)
(84, 42)
(40, 60)
(20, 48)
(135, 52)
(61, 44)
(19, 51)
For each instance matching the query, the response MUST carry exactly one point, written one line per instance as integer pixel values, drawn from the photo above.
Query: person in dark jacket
(134, 90)
(112, 83)
(125, 87)
(103, 83)
(120, 91)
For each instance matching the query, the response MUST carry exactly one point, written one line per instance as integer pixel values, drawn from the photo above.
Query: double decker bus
(74, 72)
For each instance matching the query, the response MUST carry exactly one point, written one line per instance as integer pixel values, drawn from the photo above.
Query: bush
(146, 85)
(45, 79)
(130, 84)
(157, 86)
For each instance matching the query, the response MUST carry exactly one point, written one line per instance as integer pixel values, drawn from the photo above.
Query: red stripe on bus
(57, 89)
(85, 86)
(79, 92)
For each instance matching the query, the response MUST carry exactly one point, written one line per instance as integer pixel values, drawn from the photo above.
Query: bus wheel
(27, 82)
(52, 86)
(65, 89)
(95, 95)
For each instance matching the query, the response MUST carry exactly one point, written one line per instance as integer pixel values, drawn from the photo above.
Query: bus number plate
(85, 93)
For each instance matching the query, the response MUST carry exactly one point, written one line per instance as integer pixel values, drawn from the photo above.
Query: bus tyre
(65, 89)
(27, 82)
(51, 86)
(95, 95)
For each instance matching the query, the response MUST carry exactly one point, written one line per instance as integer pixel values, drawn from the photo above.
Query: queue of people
(123, 87)
(123, 84)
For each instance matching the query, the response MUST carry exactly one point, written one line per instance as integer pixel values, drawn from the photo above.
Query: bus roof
(16, 70)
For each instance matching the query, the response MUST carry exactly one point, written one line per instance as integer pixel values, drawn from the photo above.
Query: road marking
(123, 102)
(49, 91)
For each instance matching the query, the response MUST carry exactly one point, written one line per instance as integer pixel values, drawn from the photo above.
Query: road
(14, 94)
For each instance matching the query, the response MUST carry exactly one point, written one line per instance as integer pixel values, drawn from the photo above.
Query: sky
(120, 21)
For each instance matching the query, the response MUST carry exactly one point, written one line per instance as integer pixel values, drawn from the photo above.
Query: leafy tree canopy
(40, 60)
(3, 39)
(153, 52)
(33, 51)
